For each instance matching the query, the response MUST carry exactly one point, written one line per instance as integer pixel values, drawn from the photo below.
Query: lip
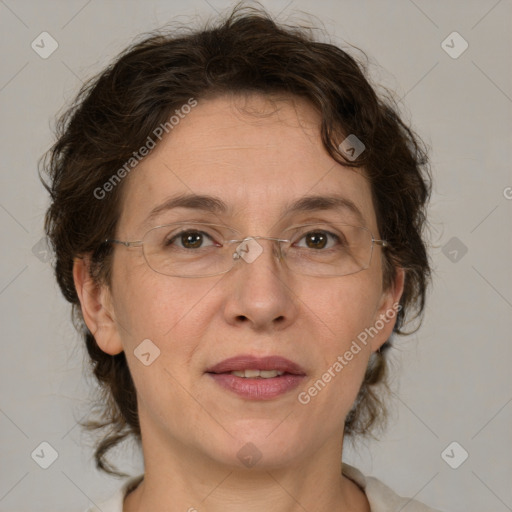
(248, 362)
(257, 388)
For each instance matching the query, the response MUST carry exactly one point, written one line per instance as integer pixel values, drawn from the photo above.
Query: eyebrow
(216, 205)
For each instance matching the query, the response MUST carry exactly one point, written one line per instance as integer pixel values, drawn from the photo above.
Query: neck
(179, 479)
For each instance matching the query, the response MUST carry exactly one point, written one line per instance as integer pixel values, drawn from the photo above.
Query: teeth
(253, 374)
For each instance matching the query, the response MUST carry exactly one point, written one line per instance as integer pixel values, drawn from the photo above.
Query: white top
(380, 496)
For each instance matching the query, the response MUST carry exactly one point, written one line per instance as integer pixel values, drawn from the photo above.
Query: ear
(97, 309)
(386, 313)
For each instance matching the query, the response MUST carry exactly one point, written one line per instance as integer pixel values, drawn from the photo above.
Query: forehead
(258, 156)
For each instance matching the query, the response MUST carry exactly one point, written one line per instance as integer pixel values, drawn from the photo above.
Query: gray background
(452, 382)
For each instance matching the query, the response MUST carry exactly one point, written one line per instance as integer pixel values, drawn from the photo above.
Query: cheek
(340, 314)
(168, 314)
(344, 307)
(148, 304)
(173, 315)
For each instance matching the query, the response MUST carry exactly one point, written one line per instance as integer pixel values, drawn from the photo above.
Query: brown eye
(316, 240)
(319, 240)
(190, 239)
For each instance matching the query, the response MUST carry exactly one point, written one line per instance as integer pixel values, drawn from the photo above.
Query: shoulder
(115, 502)
(380, 496)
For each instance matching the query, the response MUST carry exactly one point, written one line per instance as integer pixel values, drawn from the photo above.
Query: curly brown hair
(247, 51)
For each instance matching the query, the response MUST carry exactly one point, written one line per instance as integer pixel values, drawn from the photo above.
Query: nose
(260, 287)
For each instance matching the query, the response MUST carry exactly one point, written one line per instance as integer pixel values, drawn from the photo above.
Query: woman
(237, 219)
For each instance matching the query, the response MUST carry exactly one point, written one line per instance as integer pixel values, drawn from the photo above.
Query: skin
(192, 428)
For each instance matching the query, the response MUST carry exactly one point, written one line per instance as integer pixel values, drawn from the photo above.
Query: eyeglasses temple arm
(122, 242)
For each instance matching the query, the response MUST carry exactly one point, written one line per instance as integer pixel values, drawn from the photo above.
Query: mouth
(256, 378)
(257, 374)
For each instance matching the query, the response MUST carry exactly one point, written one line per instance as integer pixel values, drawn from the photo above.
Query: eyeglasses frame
(236, 255)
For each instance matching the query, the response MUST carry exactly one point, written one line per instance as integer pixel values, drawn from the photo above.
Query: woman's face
(258, 165)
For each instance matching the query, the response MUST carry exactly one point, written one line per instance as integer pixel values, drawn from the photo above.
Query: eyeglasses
(192, 249)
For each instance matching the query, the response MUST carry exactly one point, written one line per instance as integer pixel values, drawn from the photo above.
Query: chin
(259, 444)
